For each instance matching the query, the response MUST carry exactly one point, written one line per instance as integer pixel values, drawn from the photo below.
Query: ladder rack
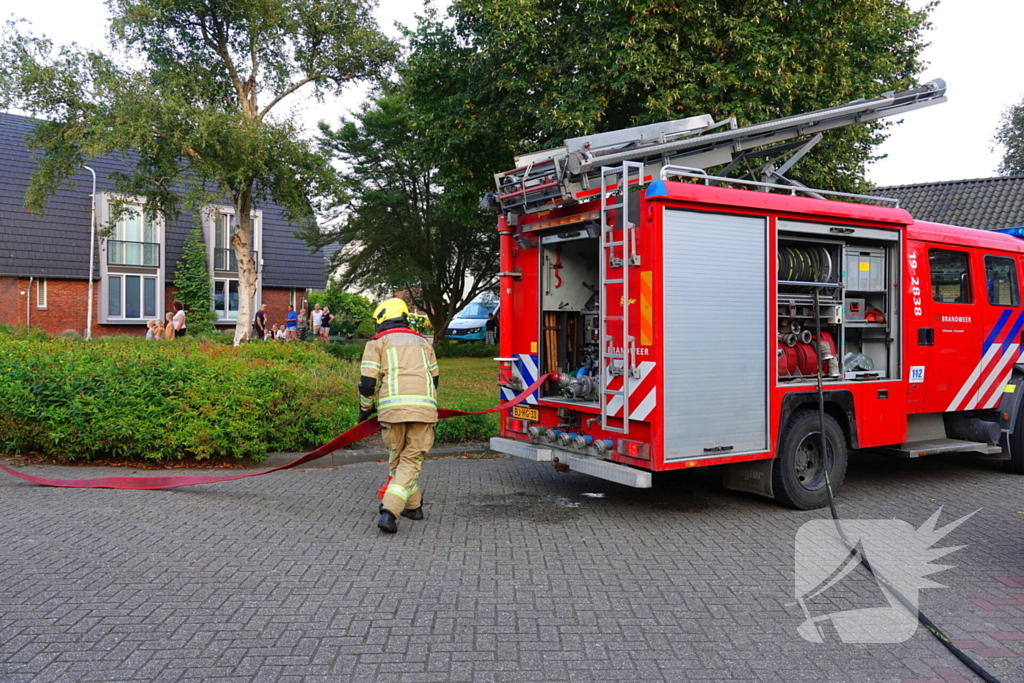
(547, 179)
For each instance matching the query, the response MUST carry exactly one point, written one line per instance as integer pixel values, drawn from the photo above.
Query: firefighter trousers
(408, 443)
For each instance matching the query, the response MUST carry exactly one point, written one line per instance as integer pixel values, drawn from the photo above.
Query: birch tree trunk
(242, 241)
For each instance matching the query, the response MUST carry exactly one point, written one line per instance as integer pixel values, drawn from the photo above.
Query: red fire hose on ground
(356, 433)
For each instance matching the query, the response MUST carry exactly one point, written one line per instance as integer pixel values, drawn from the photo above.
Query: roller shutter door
(716, 347)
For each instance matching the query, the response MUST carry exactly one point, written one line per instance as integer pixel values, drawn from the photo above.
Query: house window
(223, 252)
(41, 293)
(951, 277)
(1001, 278)
(134, 242)
(224, 258)
(131, 297)
(225, 299)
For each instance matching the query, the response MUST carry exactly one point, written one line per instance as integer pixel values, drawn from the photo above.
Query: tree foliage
(349, 310)
(196, 107)
(192, 280)
(1010, 136)
(507, 76)
(410, 225)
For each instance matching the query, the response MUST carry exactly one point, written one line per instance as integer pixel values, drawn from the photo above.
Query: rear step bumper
(602, 469)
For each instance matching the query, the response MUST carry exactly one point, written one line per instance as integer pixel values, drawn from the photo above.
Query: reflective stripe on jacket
(404, 365)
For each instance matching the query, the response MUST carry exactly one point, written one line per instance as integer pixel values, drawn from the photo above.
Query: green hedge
(158, 401)
(167, 401)
(450, 349)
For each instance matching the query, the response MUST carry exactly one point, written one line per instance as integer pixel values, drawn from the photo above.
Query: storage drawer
(864, 270)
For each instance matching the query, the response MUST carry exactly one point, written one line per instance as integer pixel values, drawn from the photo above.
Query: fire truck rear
(687, 324)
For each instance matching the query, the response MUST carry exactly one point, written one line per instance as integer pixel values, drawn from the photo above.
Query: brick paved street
(514, 576)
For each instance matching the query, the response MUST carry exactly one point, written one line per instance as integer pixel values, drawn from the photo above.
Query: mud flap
(753, 477)
(1009, 410)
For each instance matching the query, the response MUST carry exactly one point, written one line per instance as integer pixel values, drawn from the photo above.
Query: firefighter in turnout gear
(404, 366)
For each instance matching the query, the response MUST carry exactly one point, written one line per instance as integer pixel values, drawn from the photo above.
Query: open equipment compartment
(855, 272)
(570, 320)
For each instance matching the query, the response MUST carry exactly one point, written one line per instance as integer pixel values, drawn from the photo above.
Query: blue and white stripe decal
(984, 386)
(525, 368)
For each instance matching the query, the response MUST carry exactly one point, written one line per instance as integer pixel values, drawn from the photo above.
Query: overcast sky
(974, 47)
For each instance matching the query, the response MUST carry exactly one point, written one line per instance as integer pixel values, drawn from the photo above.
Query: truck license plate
(531, 414)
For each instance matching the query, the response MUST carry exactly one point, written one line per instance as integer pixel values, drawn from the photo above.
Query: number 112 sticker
(916, 374)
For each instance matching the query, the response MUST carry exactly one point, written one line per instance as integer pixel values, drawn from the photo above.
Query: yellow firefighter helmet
(392, 308)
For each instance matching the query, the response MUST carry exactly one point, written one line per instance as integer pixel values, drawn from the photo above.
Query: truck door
(1002, 322)
(951, 328)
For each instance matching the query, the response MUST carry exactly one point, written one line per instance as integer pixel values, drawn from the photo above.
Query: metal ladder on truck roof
(622, 362)
(550, 178)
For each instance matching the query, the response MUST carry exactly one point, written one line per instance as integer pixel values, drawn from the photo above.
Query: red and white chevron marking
(984, 386)
(643, 394)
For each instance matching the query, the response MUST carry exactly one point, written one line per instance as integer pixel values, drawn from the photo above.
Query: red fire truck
(686, 324)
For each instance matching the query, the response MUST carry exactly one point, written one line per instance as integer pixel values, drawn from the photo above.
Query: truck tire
(798, 477)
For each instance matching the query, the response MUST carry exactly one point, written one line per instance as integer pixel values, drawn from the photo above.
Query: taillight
(635, 449)
(514, 425)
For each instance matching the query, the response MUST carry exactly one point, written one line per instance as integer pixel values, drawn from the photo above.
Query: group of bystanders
(296, 325)
(172, 326)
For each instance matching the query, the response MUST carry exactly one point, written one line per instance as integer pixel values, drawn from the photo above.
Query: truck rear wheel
(798, 477)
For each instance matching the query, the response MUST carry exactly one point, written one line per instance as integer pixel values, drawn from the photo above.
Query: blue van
(469, 324)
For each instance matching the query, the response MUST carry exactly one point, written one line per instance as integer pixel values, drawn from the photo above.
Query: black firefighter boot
(387, 522)
(415, 513)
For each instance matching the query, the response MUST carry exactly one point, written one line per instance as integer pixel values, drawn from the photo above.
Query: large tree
(406, 228)
(197, 103)
(1010, 136)
(513, 75)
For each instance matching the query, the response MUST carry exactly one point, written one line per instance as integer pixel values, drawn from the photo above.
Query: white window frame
(123, 303)
(104, 213)
(41, 294)
(227, 285)
(213, 221)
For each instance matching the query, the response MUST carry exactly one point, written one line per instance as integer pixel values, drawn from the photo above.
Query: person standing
(303, 324)
(325, 325)
(491, 326)
(259, 323)
(404, 365)
(291, 324)
(179, 319)
(168, 325)
(318, 317)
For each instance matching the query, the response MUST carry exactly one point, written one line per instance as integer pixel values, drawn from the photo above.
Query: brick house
(44, 260)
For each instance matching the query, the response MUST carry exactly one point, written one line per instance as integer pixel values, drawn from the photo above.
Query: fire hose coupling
(577, 387)
(550, 435)
(602, 446)
(536, 432)
(565, 438)
(581, 441)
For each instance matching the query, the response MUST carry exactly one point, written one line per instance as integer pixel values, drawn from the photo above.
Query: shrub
(366, 329)
(449, 349)
(346, 351)
(191, 398)
(130, 398)
(34, 334)
(349, 310)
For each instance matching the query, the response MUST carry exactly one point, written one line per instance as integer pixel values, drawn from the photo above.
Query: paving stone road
(515, 575)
